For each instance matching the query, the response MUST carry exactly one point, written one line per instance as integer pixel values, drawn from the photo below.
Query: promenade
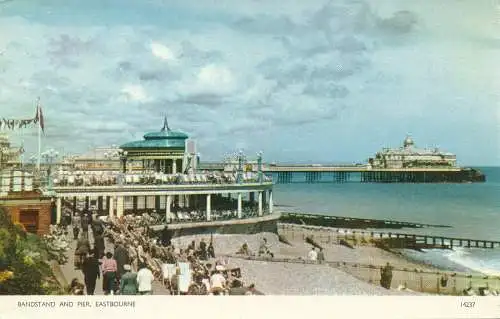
(69, 272)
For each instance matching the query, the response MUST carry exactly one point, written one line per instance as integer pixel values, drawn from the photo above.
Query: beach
(347, 272)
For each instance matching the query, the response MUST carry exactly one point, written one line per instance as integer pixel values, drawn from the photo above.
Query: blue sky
(308, 81)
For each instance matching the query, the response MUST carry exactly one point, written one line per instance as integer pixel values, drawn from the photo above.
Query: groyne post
(421, 283)
(437, 284)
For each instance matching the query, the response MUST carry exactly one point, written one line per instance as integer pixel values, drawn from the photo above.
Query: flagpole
(39, 135)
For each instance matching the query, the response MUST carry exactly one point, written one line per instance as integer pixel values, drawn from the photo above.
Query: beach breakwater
(348, 222)
(390, 240)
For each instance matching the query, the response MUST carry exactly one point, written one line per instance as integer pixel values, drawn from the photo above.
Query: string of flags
(13, 124)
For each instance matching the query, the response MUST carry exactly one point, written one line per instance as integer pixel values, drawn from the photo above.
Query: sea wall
(265, 224)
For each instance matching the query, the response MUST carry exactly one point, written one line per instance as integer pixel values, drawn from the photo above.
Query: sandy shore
(284, 278)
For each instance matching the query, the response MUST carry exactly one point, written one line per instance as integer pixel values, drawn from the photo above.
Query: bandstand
(163, 151)
(168, 186)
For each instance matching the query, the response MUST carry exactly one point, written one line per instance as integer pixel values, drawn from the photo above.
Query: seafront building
(410, 156)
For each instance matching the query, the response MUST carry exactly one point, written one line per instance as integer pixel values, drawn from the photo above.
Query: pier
(317, 173)
(348, 222)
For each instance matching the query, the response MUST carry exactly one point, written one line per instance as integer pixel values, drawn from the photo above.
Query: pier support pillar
(111, 207)
(99, 204)
(240, 211)
(58, 210)
(174, 167)
(119, 206)
(271, 202)
(157, 203)
(186, 201)
(168, 205)
(209, 208)
(134, 204)
(260, 203)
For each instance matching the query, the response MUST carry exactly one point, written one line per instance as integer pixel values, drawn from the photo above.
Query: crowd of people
(139, 259)
(106, 178)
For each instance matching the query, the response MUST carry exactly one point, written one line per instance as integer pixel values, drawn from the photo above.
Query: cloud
(161, 51)
(135, 92)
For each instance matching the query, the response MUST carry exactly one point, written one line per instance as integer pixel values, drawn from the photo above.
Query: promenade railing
(66, 178)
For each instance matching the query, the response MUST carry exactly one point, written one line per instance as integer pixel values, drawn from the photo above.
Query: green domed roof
(166, 138)
(165, 134)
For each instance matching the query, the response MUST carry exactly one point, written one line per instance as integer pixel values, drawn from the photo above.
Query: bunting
(15, 124)
(12, 124)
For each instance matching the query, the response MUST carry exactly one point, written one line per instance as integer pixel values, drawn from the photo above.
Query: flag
(39, 117)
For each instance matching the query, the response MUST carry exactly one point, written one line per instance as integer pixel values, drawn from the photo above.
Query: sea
(471, 209)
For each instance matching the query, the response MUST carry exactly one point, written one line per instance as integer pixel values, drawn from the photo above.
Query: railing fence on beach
(390, 239)
(413, 279)
(435, 282)
(439, 282)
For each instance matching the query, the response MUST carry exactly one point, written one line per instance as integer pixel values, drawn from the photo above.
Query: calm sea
(472, 211)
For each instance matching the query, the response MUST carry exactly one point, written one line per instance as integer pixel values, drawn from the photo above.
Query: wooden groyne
(431, 242)
(348, 222)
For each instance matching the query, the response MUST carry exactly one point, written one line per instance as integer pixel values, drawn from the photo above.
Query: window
(29, 219)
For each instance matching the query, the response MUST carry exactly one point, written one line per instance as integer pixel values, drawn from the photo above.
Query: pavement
(69, 272)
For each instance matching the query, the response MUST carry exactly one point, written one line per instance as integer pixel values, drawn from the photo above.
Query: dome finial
(408, 141)
(165, 124)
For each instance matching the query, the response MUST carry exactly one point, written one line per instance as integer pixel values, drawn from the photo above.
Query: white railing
(65, 178)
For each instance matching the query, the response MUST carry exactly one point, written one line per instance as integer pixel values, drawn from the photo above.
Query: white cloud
(163, 52)
(135, 92)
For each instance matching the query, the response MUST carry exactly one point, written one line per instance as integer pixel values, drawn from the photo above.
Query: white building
(410, 156)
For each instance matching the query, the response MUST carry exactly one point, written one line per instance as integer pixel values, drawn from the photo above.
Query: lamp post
(49, 156)
(240, 166)
(123, 159)
(197, 159)
(259, 165)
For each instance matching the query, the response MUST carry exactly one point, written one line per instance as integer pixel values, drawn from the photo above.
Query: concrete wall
(248, 229)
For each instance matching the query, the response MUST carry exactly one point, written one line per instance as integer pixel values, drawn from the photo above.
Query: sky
(302, 81)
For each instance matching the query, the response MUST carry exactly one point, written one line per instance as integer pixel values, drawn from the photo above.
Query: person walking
(85, 226)
(91, 272)
(99, 246)
(321, 256)
(76, 231)
(82, 249)
(76, 226)
(128, 282)
(386, 276)
(122, 258)
(109, 274)
(145, 280)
